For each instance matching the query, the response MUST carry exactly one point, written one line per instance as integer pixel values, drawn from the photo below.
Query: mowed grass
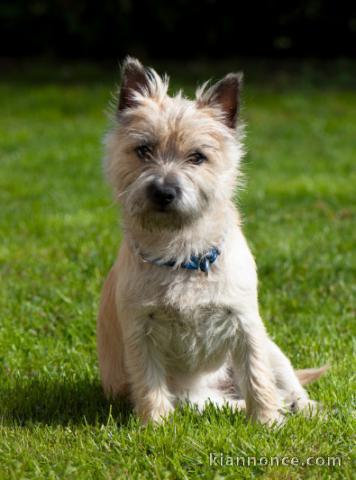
(60, 233)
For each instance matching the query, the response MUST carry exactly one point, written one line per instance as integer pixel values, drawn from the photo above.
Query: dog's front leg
(147, 377)
(253, 372)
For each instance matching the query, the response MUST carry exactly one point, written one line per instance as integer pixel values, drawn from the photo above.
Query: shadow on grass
(52, 402)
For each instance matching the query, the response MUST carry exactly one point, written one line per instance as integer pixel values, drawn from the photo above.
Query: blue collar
(196, 262)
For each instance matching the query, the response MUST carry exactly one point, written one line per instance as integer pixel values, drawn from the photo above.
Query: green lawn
(59, 235)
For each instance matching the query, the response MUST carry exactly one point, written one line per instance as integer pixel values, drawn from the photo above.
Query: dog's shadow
(53, 402)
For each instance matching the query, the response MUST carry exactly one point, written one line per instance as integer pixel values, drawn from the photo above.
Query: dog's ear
(134, 78)
(225, 94)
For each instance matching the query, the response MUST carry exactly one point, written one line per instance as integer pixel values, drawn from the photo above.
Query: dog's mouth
(168, 213)
(164, 209)
(163, 217)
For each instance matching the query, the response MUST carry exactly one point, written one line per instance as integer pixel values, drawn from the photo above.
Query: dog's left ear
(225, 94)
(134, 78)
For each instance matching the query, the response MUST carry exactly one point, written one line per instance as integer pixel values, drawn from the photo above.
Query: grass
(60, 233)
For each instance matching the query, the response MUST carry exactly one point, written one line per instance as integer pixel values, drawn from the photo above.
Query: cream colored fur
(167, 335)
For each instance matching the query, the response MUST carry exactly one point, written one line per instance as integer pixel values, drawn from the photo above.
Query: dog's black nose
(162, 194)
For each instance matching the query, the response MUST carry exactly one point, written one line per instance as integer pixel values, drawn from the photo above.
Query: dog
(179, 318)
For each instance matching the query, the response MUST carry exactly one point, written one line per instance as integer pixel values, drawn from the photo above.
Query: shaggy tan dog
(179, 317)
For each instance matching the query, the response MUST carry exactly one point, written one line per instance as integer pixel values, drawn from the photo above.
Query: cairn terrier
(179, 318)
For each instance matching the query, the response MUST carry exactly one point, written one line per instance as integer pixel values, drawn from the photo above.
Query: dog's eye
(143, 151)
(197, 158)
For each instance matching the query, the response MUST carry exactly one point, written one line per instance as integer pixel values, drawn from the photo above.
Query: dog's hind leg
(288, 381)
(109, 342)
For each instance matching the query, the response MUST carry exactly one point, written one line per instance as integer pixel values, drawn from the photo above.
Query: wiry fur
(168, 334)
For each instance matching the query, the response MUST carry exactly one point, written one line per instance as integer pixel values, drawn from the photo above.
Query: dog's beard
(155, 220)
(173, 218)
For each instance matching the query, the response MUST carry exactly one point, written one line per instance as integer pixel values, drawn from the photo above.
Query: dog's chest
(192, 339)
(190, 319)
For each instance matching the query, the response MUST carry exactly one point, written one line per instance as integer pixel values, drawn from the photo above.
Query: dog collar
(201, 262)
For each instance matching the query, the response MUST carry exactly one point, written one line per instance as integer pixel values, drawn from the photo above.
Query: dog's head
(171, 159)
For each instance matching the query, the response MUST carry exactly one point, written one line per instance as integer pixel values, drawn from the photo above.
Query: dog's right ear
(134, 79)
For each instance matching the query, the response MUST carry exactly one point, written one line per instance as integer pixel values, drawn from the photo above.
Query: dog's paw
(160, 414)
(157, 414)
(301, 403)
(270, 418)
(201, 404)
(236, 405)
(309, 408)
